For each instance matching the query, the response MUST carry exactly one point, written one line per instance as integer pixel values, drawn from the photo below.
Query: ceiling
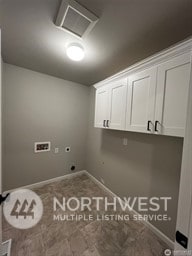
(127, 31)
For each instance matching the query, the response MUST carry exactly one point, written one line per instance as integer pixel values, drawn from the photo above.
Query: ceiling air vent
(75, 19)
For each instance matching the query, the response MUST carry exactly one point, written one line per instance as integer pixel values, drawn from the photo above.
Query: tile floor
(81, 238)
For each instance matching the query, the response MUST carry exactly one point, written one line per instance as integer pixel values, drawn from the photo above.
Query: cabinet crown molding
(156, 59)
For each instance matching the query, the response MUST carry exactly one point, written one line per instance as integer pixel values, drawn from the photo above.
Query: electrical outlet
(125, 141)
(68, 149)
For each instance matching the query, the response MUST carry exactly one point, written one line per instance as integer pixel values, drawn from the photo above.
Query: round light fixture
(75, 52)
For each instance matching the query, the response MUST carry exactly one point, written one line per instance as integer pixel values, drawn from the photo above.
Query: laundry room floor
(85, 237)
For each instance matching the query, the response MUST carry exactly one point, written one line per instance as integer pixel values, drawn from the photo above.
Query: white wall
(38, 107)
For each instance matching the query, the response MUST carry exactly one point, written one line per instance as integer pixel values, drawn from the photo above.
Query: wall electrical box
(42, 147)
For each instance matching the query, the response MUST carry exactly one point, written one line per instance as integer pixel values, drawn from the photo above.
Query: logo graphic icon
(167, 252)
(23, 209)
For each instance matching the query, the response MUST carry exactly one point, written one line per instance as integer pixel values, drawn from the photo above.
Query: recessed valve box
(42, 146)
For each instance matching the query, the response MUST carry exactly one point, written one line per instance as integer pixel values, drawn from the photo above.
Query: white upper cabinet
(172, 95)
(110, 107)
(117, 105)
(141, 101)
(157, 98)
(101, 107)
(152, 99)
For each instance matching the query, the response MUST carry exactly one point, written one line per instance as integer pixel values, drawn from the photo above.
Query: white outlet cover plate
(56, 150)
(125, 141)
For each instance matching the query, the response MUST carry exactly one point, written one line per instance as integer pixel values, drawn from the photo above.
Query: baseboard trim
(156, 231)
(41, 183)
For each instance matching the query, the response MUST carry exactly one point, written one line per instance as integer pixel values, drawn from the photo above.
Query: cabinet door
(117, 104)
(101, 107)
(141, 101)
(172, 95)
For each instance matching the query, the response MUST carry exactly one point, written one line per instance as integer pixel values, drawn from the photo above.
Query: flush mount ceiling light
(75, 52)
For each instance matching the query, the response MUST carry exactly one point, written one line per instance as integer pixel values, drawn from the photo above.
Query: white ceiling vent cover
(75, 19)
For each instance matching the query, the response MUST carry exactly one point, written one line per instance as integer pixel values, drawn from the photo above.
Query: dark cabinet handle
(107, 125)
(104, 123)
(148, 126)
(156, 128)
